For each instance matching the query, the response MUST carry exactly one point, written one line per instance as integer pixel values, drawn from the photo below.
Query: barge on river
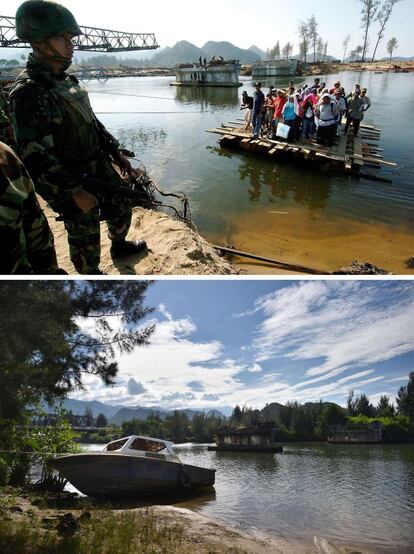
(351, 154)
(261, 438)
(130, 467)
(216, 73)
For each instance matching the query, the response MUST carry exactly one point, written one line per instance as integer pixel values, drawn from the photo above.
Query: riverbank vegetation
(294, 421)
(312, 421)
(52, 334)
(104, 532)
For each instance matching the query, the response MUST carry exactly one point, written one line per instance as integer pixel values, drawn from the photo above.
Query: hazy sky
(246, 22)
(218, 343)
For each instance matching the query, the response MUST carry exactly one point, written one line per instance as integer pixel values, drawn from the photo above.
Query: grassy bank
(67, 524)
(31, 523)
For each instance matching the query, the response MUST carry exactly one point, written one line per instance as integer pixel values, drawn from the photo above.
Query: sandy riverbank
(59, 519)
(173, 248)
(381, 67)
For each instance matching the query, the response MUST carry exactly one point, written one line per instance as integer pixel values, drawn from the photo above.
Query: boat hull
(115, 475)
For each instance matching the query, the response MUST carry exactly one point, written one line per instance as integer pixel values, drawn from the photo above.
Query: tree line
(311, 421)
(177, 427)
(311, 42)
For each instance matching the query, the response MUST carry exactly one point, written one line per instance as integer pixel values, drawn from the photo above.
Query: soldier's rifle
(141, 190)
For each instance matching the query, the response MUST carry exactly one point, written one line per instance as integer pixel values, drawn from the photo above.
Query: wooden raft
(350, 154)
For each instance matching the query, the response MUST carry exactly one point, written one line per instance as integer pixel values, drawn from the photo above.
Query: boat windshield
(147, 445)
(116, 445)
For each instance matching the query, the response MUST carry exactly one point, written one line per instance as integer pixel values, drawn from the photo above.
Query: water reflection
(141, 138)
(338, 219)
(271, 182)
(357, 494)
(209, 96)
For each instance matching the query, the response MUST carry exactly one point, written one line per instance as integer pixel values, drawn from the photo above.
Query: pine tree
(405, 399)
(45, 345)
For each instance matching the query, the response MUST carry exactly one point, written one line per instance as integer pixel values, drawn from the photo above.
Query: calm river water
(281, 210)
(354, 494)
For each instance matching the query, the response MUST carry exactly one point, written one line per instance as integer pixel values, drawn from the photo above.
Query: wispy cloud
(312, 340)
(335, 326)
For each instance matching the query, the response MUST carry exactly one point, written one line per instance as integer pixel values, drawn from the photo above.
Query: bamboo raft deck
(350, 155)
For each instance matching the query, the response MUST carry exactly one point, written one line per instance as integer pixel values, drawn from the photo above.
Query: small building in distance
(215, 73)
(261, 438)
(268, 69)
(369, 433)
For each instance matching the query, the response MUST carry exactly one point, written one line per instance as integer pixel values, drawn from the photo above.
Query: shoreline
(319, 68)
(68, 515)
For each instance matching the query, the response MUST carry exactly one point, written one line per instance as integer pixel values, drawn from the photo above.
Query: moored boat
(132, 466)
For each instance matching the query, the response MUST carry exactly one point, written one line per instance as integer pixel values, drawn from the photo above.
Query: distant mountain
(182, 52)
(186, 52)
(78, 407)
(319, 57)
(260, 53)
(229, 52)
(126, 414)
(117, 414)
(396, 59)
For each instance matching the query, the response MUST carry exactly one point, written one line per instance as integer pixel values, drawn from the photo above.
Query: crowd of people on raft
(297, 114)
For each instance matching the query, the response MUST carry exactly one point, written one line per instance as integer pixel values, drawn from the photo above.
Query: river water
(348, 494)
(281, 210)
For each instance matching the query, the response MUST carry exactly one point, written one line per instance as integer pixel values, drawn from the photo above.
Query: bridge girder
(93, 39)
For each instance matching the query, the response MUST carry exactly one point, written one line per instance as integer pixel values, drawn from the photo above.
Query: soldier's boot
(122, 247)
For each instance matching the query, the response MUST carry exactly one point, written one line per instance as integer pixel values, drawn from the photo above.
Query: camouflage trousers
(26, 243)
(84, 234)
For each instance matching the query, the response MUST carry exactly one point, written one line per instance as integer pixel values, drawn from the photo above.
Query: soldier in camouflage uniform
(26, 243)
(6, 129)
(60, 140)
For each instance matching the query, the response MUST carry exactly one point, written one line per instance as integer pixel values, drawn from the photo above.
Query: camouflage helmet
(41, 19)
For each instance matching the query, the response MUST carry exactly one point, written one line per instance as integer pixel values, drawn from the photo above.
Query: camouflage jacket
(6, 130)
(26, 243)
(58, 136)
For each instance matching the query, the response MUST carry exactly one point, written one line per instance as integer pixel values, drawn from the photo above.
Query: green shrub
(394, 428)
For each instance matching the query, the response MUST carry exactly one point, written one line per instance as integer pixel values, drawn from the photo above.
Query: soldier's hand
(84, 200)
(124, 165)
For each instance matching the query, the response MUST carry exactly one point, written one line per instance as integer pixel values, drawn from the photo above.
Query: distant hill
(396, 59)
(78, 407)
(272, 411)
(186, 52)
(117, 414)
(319, 57)
(182, 52)
(261, 54)
(229, 52)
(126, 414)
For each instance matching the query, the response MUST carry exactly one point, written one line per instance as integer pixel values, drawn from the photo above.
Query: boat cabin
(146, 447)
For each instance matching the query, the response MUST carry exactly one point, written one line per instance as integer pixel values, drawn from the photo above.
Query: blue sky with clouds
(222, 342)
(243, 23)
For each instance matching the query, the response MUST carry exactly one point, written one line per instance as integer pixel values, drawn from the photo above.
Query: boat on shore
(132, 466)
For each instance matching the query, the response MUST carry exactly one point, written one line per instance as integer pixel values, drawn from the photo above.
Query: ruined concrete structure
(263, 70)
(212, 74)
(370, 433)
(261, 438)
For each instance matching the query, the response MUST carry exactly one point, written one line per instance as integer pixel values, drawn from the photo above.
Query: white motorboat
(131, 466)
